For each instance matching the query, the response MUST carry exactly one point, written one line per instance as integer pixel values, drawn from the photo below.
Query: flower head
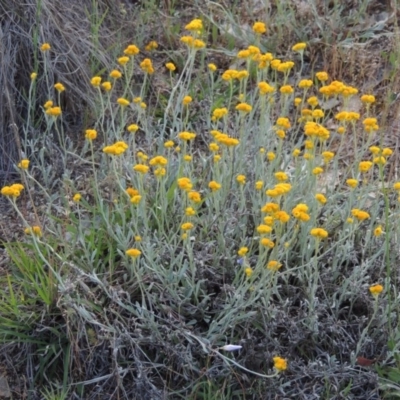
(319, 233)
(170, 66)
(90, 134)
(259, 28)
(45, 47)
(243, 251)
(23, 164)
(131, 50)
(280, 364)
(376, 290)
(134, 253)
(77, 198)
(299, 47)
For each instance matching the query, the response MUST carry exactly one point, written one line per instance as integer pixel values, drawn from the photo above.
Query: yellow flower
(116, 149)
(219, 113)
(248, 271)
(170, 66)
(77, 198)
(349, 220)
(214, 186)
(321, 198)
(90, 134)
(194, 25)
(322, 76)
(185, 183)
(217, 158)
(138, 238)
(131, 50)
(368, 98)
(136, 199)
(186, 136)
(48, 104)
(341, 130)
(243, 251)
(327, 156)
(212, 67)
(305, 84)
(151, 46)
(169, 144)
(370, 124)
(34, 230)
(360, 214)
(317, 170)
(259, 185)
(280, 364)
(187, 158)
(159, 161)
(107, 86)
(299, 47)
(13, 190)
(244, 107)
(131, 192)
(95, 81)
(281, 216)
(213, 147)
(286, 89)
(23, 164)
(59, 87)
(274, 265)
(269, 220)
(312, 101)
(141, 168)
(296, 152)
(134, 253)
(297, 101)
(259, 28)
(123, 102)
(137, 100)
(115, 74)
(132, 128)
(190, 211)
(265, 88)
(267, 243)
(378, 231)
(241, 179)
(143, 157)
(147, 66)
(187, 100)
(319, 233)
(187, 226)
(123, 60)
(54, 111)
(45, 47)
(270, 208)
(160, 172)
(396, 186)
(283, 122)
(263, 229)
(33, 76)
(271, 156)
(379, 160)
(376, 290)
(387, 152)
(194, 196)
(281, 176)
(365, 166)
(352, 183)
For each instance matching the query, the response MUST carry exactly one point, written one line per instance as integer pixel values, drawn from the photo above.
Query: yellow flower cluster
(360, 214)
(13, 190)
(279, 189)
(300, 212)
(116, 149)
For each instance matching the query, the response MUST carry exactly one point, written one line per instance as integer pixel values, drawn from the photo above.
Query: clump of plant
(197, 233)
